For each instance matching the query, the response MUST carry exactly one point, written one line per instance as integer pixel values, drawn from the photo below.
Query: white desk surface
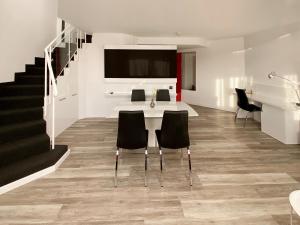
(156, 112)
(274, 101)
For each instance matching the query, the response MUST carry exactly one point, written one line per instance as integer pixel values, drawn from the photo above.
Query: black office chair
(132, 134)
(163, 95)
(138, 95)
(174, 134)
(243, 103)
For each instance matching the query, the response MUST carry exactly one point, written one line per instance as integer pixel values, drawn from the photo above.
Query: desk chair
(138, 95)
(174, 134)
(243, 103)
(132, 134)
(163, 95)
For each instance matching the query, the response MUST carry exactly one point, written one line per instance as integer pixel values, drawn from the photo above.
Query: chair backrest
(242, 99)
(163, 95)
(131, 130)
(138, 95)
(175, 130)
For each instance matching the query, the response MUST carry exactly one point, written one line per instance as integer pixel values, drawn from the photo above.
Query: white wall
(94, 89)
(274, 50)
(219, 69)
(26, 28)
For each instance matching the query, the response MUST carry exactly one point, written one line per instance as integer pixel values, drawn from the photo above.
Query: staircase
(24, 144)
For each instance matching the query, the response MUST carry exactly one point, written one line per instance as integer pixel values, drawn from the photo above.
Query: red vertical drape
(179, 77)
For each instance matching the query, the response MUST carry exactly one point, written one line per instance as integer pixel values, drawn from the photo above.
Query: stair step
(35, 70)
(13, 132)
(20, 115)
(21, 90)
(29, 79)
(23, 148)
(19, 102)
(39, 61)
(30, 165)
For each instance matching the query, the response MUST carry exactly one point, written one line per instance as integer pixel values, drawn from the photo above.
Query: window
(189, 71)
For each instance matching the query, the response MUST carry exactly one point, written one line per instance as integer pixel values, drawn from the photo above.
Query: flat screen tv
(128, 63)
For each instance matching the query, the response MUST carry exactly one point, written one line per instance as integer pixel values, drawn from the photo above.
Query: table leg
(152, 124)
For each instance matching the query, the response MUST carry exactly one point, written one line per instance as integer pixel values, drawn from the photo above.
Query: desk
(153, 116)
(279, 118)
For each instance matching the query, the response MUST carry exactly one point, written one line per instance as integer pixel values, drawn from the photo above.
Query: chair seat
(250, 107)
(253, 108)
(176, 144)
(134, 144)
(295, 201)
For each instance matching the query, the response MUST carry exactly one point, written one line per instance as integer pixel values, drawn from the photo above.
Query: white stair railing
(66, 40)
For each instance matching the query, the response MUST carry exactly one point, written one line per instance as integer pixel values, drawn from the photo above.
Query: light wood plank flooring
(241, 177)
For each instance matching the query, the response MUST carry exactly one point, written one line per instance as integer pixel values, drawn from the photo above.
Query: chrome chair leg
(291, 216)
(146, 167)
(190, 166)
(116, 168)
(161, 167)
(236, 114)
(246, 119)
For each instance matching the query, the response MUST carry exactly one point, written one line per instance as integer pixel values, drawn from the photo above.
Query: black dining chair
(138, 95)
(243, 103)
(163, 95)
(132, 134)
(174, 134)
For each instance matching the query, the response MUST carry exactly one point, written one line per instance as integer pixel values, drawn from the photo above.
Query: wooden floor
(241, 177)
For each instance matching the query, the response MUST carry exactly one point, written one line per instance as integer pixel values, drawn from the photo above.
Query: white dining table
(153, 116)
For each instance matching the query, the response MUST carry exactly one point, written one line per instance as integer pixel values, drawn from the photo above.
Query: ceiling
(211, 19)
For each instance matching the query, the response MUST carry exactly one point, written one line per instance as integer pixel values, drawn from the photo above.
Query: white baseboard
(34, 176)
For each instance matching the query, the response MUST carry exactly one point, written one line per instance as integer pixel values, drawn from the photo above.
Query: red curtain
(179, 77)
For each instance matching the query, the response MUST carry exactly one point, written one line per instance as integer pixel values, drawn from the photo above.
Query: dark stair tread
(39, 60)
(22, 90)
(30, 165)
(29, 79)
(17, 102)
(34, 66)
(9, 98)
(17, 131)
(29, 66)
(17, 111)
(17, 150)
(27, 74)
(33, 69)
(25, 86)
(21, 125)
(9, 116)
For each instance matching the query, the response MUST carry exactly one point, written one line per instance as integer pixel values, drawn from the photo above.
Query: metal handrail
(52, 77)
(59, 35)
(50, 81)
